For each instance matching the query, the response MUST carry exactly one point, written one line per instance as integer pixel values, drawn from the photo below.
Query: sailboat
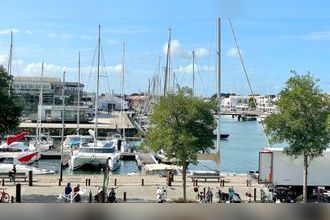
(97, 153)
(73, 142)
(41, 142)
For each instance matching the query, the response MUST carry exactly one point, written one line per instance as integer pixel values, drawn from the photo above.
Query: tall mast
(122, 88)
(167, 67)
(10, 59)
(158, 79)
(38, 132)
(62, 135)
(219, 85)
(97, 83)
(193, 83)
(78, 104)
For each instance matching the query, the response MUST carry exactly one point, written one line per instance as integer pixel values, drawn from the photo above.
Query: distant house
(111, 102)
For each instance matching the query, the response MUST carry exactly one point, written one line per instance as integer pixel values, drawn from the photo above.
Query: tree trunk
(184, 174)
(305, 178)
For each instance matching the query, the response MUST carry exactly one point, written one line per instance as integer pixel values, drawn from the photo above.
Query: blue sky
(274, 38)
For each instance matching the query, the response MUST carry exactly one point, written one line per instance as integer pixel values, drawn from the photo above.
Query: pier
(243, 115)
(114, 122)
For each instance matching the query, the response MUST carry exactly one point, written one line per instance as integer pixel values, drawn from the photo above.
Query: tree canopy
(182, 126)
(302, 121)
(10, 108)
(302, 117)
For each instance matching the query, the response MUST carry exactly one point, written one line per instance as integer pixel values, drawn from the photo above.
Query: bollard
(90, 199)
(124, 197)
(115, 182)
(196, 180)
(3, 182)
(59, 182)
(30, 178)
(12, 199)
(18, 192)
(255, 194)
(142, 182)
(89, 182)
(101, 197)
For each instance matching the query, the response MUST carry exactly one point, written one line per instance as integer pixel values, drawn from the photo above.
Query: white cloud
(3, 59)
(233, 52)
(189, 69)
(179, 51)
(318, 35)
(202, 52)
(7, 31)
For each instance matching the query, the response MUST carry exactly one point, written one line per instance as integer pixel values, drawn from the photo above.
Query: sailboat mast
(193, 84)
(63, 106)
(10, 59)
(78, 104)
(122, 89)
(219, 85)
(97, 84)
(167, 67)
(38, 133)
(62, 135)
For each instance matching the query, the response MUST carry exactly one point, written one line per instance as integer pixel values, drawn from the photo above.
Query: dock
(54, 154)
(141, 158)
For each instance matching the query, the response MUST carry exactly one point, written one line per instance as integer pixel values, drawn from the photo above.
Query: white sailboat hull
(95, 159)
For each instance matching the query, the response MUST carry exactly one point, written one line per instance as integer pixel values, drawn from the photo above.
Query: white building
(235, 102)
(111, 102)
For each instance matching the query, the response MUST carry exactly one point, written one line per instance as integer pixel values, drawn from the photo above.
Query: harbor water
(239, 153)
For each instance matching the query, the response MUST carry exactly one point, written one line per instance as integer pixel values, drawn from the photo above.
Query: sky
(274, 38)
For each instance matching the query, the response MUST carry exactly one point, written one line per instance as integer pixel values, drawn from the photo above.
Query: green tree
(301, 121)
(251, 102)
(182, 126)
(10, 108)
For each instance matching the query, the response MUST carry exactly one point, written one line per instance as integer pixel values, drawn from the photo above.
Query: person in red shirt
(76, 190)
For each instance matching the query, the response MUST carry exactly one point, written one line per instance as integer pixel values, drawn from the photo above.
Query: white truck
(278, 169)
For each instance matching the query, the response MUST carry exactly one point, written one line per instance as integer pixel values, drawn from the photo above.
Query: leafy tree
(302, 120)
(182, 126)
(10, 108)
(251, 102)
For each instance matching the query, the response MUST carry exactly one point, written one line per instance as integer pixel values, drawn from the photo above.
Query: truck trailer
(280, 170)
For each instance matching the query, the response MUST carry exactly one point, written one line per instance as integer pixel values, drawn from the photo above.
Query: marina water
(239, 153)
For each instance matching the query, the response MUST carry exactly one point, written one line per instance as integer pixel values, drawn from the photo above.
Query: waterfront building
(28, 88)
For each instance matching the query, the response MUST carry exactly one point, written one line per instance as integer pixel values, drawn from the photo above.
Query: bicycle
(4, 197)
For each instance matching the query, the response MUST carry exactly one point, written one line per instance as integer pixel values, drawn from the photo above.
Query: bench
(18, 175)
(205, 177)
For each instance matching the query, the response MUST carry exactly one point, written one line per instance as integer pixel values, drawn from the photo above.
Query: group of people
(68, 191)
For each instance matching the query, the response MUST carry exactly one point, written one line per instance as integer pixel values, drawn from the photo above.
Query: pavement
(46, 189)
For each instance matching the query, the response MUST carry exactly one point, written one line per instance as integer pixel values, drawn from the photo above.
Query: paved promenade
(45, 188)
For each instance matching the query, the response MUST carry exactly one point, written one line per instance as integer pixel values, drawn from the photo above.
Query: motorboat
(42, 143)
(19, 153)
(97, 154)
(73, 142)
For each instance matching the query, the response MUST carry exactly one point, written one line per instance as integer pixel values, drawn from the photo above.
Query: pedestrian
(76, 194)
(67, 192)
(12, 174)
